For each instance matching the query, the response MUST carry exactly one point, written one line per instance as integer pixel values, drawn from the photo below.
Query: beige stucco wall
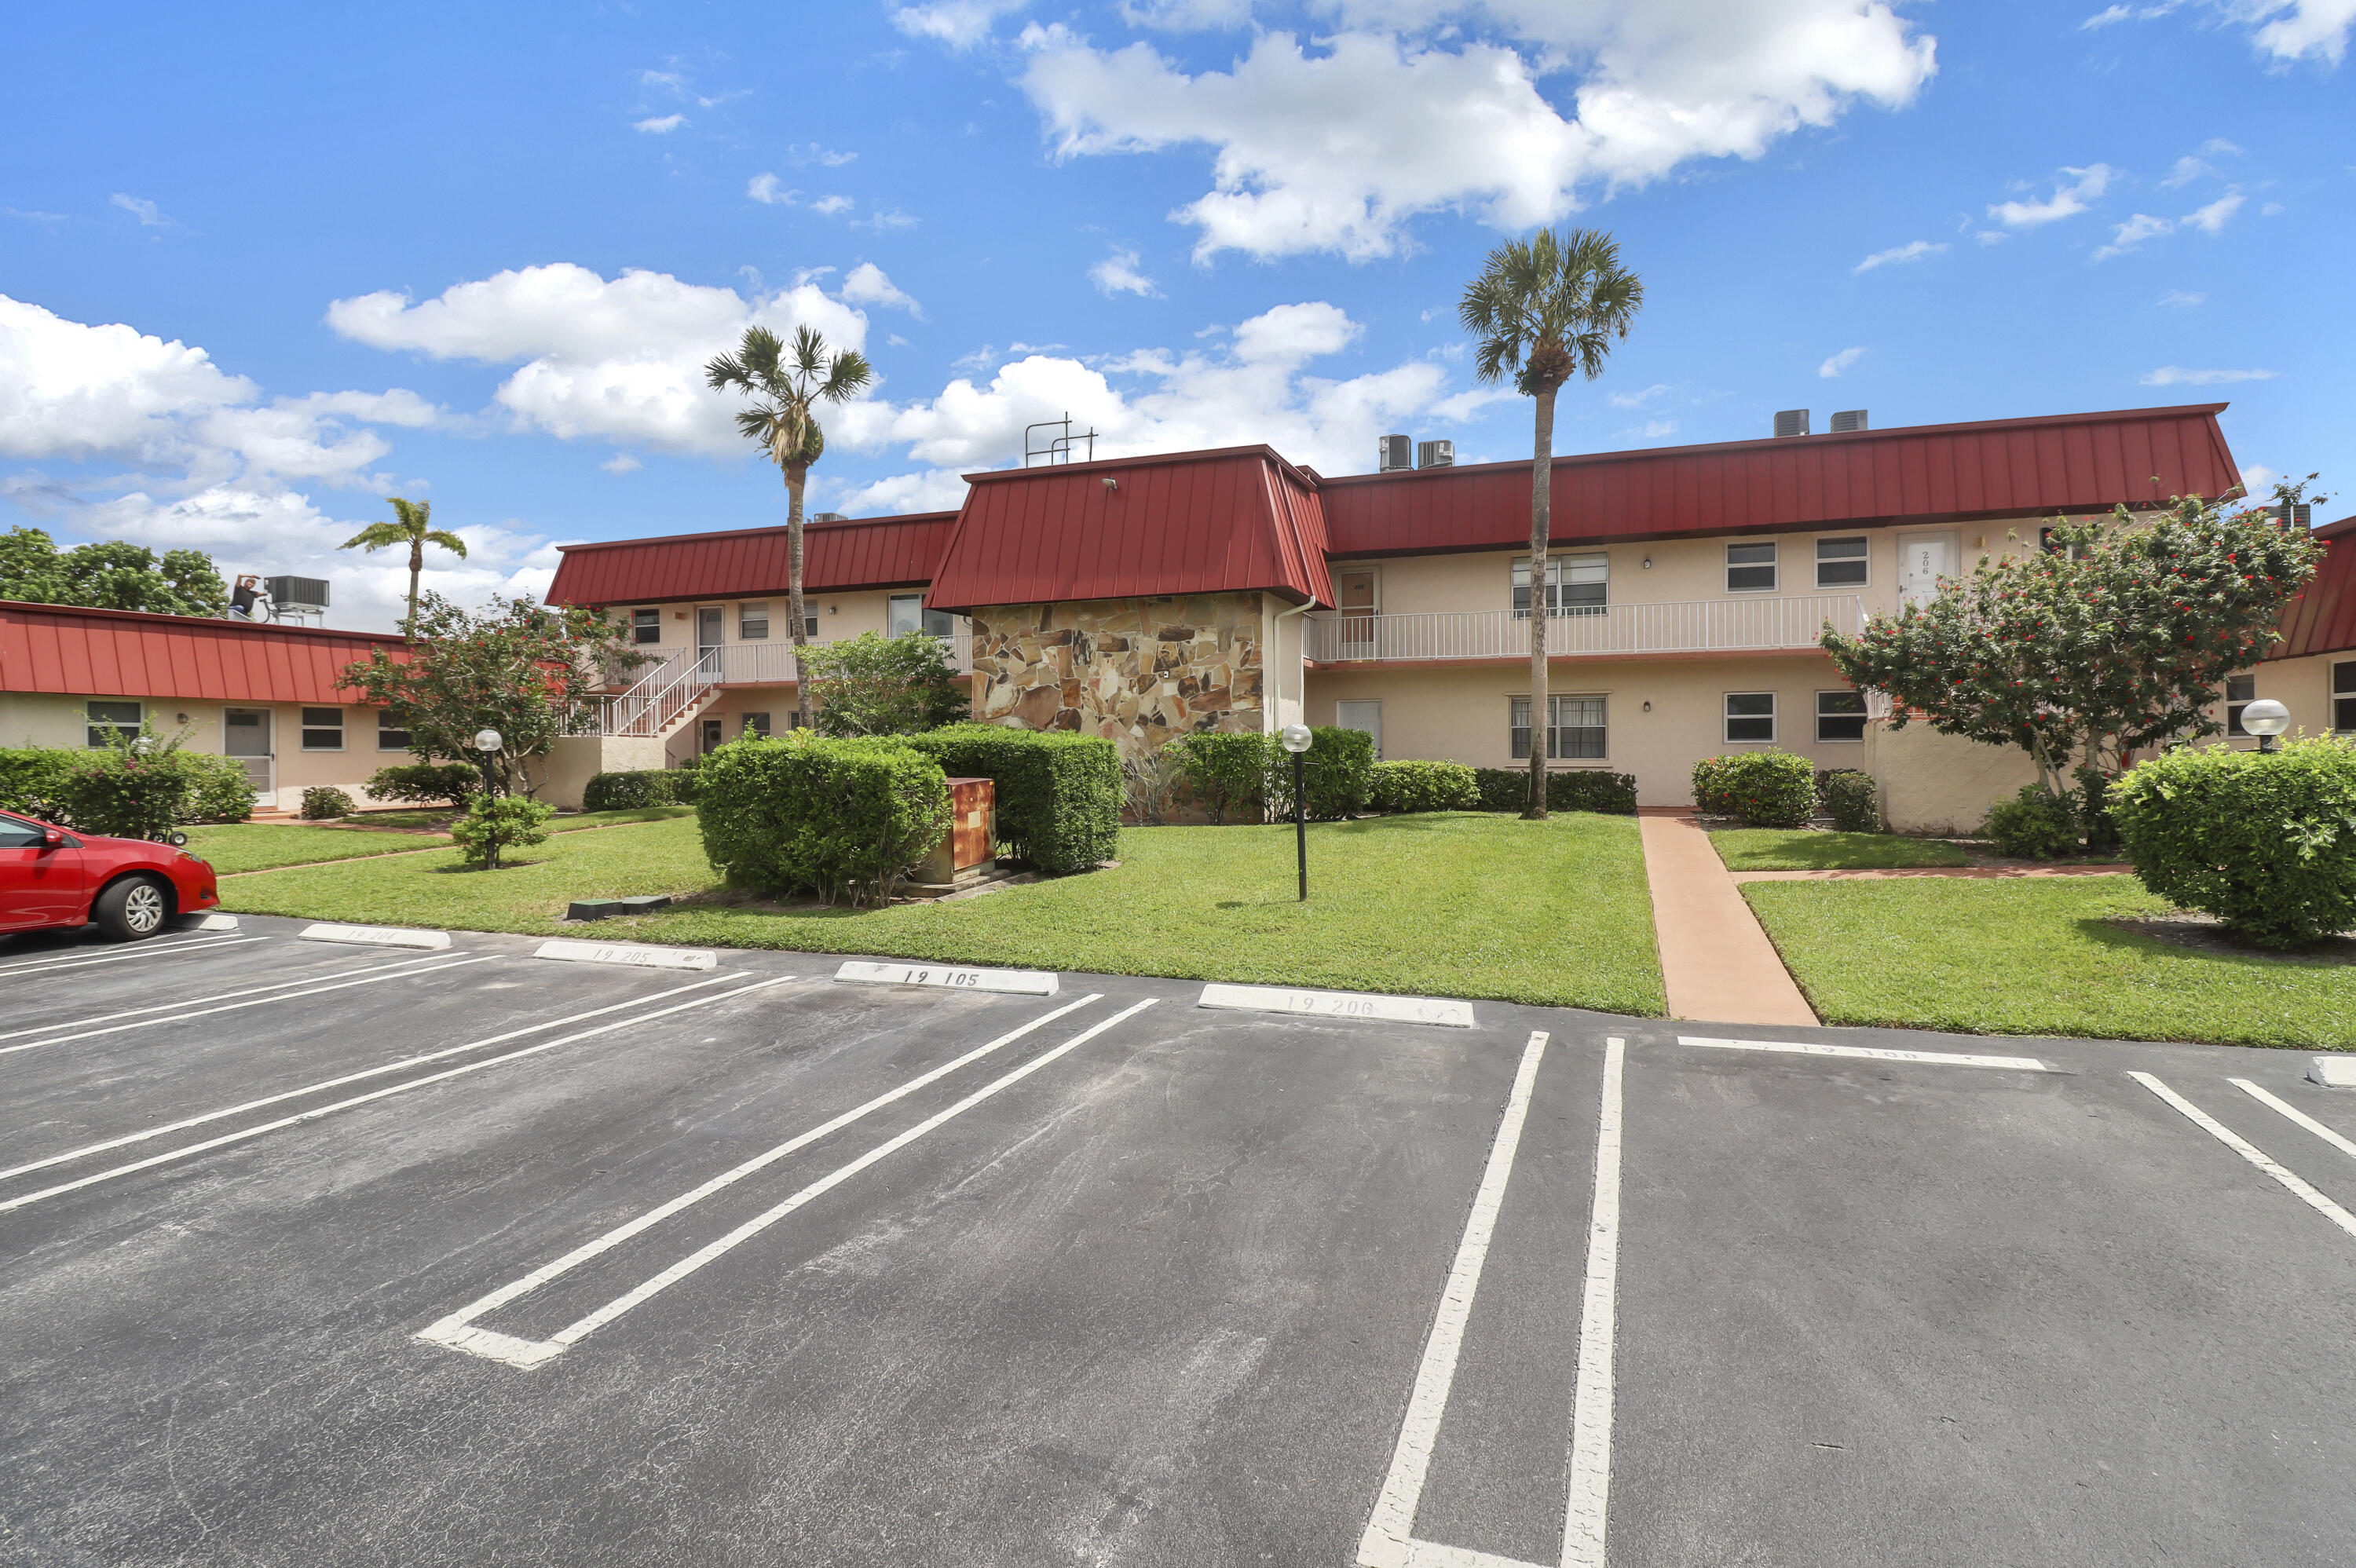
(573, 760)
(53, 721)
(1940, 785)
(840, 617)
(2303, 685)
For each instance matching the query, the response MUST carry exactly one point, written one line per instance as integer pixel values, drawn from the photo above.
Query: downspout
(1299, 609)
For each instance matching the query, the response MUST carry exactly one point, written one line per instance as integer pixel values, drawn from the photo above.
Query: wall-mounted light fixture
(1648, 563)
(1648, 705)
(179, 719)
(1112, 483)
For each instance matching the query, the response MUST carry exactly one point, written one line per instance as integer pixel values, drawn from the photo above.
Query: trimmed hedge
(838, 817)
(513, 821)
(119, 795)
(30, 778)
(1423, 786)
(218, 790)
(33, 780)
(1336, 773)
(2264, 841)
(1847, 795)
(1765, 789)
(326, 803)
(1568, 789)
(2032, 824)
(427, 783)
(639, 787)
(1227, 772)
(1059, 794)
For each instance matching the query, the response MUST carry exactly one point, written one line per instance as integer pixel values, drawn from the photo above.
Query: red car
(129, 887)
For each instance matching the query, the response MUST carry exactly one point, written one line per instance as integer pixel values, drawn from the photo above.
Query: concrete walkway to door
(1717, 965)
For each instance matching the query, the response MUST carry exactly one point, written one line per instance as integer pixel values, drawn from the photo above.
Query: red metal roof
(1993, 468)
(2322, 620)
(124, 653)
(864, 552)
(1197, 522)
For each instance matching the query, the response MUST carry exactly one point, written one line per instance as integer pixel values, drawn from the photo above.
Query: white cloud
(2212, 219)
(1117, 274)
(764, 188)
(661, 125)
(1638, 400)
(1915, 251)
(2105, 18)
(866, 285)
(1336, 148)
(1839, 362)
(621, 463)
(960, 24)
(2143, 226)
(2072, 196)
(2178, 376)
(2180, 300)
(1466, 406)
(2295, 29)
(1187, 16)
(808, 153)
(890, 217)
(2271, 209)
(142, 209)
(2257, 479)
(830, 205)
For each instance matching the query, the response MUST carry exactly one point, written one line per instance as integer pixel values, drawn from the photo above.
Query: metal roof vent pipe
(1435, 454)
(1395, 454)
(1849, 420)
(1792, 422)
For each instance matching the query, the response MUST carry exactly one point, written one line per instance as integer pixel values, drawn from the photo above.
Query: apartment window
(645, 625)
(2241, 690)
(2343, 698)
(1840, 715)
(753, 620)
(323, 729)
(908, 614)
(2051, 546)
(1750, 568)
(1575, 585)
(111, 720)
(1749, 716)
(392, 729)
(1840, 564)
(756, 724)
(1575, 727)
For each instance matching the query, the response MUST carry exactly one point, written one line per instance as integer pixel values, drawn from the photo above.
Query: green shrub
(1059, 794)
(427, 783)
(2264, 841)
(838, 817)
(1227, 774)
(1849, 797)
(2032, 824)
(641, 788)
(1336, 773)
(1765, 789)
(1424, 786)
(31, 778)
(326, 803)
(1589, 789)
(1504, 789)
(511, 821)
(121, 795)
(219, 789)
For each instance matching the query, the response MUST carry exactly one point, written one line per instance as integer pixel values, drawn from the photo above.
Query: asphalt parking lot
(323, 1254)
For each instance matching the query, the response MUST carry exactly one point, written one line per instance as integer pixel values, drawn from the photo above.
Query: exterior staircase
(661, 702)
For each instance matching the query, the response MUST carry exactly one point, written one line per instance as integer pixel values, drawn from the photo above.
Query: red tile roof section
(2322, 620)
(1198, 522)
(1997, 468)
(122, 653)
(864, 552)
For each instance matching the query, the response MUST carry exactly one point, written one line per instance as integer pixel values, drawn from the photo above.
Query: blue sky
(262, 266)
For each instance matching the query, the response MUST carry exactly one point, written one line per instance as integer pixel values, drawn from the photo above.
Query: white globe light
(1296, 737)
(2266, 717)
(487, 740)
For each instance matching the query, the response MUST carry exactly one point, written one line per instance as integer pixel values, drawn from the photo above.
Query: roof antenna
(1058, 448)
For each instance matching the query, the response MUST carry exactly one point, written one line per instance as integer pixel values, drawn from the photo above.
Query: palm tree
(414, 528)
(783, 386)
(1544, 308)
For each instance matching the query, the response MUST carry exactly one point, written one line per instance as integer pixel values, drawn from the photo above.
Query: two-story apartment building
(1685, 591)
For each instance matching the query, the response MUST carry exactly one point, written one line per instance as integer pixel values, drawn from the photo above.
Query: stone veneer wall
(1136, 671)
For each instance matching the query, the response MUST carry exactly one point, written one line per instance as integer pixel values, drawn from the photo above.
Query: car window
(16, 834)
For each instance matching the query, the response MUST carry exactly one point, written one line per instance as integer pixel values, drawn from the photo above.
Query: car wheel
(130, 909)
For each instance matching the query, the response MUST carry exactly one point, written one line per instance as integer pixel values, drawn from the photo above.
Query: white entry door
(245, 735)
(1922, 559)
(1367, 715)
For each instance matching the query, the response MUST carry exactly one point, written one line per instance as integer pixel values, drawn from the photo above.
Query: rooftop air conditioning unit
(1792, 422)
(1396, 453)
(299, 595)
(1848, 419)
(1435, 454)
(829, 518)
(2290, 516)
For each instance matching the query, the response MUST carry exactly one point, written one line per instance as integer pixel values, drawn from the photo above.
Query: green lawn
(258, 846)
(2039, 957)
(1787, 850)
(1462, 904)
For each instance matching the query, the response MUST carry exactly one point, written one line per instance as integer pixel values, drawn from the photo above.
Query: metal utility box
(297, 592)
(966, 850)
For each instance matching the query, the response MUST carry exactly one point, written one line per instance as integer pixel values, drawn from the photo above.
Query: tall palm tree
(784, 386)
(1543, 309)
(414, 527)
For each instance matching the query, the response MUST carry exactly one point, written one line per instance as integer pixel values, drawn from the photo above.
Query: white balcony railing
(671, 689)
(1701, 625)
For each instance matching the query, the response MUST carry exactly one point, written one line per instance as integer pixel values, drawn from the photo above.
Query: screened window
(1840, 564)
(1841, 715)
(645, 625)
(392, 729)
(1750, 568)
(1749, 716)
(753, 620)
(1575, 585)
(908, 614)
(110, 720)
(2343, 698)
(323, 729)
(1575, 727)
(2241, 690)
(756, 724)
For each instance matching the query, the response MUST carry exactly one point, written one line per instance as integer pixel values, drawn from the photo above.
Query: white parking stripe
(1870, 1052)
(407, 969)
(152, 951)
(2295, 1114)
(327, 1083)
(1590, 1434)
(444, 1331)
(318, 1111)
(287, 983)
(452, 1331)
(2251, 1152)
(1389, 1539)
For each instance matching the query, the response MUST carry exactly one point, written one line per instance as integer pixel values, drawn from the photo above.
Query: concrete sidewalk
(1717, 965)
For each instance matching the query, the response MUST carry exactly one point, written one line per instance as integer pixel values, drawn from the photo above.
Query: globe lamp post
(1296, 738)
(489, 742)
(2266, 719)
